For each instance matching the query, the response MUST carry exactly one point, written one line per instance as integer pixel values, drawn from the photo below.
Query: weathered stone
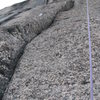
(55, 64)
(17, 32)
(10, 12)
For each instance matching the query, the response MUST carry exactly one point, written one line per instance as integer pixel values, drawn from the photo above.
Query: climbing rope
(90, 52)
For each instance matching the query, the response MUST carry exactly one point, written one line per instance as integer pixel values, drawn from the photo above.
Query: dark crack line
(11, 16)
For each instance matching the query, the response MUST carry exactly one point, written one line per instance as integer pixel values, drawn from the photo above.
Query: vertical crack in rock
(18, 32)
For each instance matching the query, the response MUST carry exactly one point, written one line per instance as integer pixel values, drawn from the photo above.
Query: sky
(6, 3)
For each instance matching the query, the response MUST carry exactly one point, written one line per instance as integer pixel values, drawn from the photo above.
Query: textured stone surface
(55, 64)
(10, 12)
(17, 32)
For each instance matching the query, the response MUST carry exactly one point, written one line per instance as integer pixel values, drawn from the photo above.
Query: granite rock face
(44, 51)
(18, 30)
(10, 12)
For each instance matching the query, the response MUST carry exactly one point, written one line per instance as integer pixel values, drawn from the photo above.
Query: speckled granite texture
(53, 65)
